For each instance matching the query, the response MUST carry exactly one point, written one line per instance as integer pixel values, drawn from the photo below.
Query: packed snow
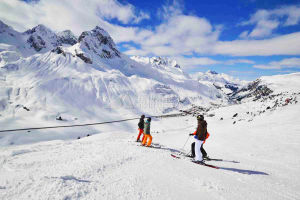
(260, 160)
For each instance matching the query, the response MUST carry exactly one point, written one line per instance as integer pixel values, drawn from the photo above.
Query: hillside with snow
(257, 154)
(46, 75)
(225, 83)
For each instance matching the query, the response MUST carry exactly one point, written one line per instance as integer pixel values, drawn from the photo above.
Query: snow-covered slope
(260, 159)
(227, 84)
(88, 81)
(269, 87)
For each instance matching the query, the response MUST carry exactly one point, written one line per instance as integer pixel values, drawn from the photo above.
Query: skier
(141, 128)
(147, 133)
(200, 136)
(201, 149)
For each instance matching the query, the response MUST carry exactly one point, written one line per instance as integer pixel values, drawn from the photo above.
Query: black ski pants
(204, 154)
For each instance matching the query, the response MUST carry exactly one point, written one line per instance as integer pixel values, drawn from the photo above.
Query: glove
(191, 134)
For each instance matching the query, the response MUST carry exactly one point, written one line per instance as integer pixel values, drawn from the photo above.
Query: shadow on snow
(241, 171)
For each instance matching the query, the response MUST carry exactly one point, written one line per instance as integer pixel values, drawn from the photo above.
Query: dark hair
(143, 116)
(149, 119)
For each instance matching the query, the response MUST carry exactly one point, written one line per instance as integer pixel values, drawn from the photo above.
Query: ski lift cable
(77, 125)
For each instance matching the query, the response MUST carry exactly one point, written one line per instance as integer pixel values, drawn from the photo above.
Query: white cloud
(281, 45)
(180, 35)
(244, 35)
(188, 63)
(171, 9)
(266, 21)
(264, 28)
(238, 61)
(195, 61)
(292, 13)
(78, 16)
(177, 36)
(285, 63)
(266, 66)
(112, 9)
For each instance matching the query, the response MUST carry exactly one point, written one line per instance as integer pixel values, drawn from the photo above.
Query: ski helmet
(200, 117)
(143, 116)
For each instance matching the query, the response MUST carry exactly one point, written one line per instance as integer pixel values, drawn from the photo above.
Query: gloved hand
(191, 134)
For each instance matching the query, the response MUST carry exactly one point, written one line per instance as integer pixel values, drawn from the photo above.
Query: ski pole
(185, 142)
(188, 153)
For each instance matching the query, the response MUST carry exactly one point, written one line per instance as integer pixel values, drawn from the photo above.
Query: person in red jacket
(201, 134)
(204, 154)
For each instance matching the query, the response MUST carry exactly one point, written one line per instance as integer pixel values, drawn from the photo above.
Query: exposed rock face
(84, 58)
(36, 42)
(164, 62)
(254, 89)
(59, 50)
(99, 42)
(40, 37)
(67, 37)
(233, 87)
(221, 81)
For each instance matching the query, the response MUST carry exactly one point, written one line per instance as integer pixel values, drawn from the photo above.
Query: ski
(204, 164)
(213, 159)
(152, 146)
(207, 165)
(174, 156)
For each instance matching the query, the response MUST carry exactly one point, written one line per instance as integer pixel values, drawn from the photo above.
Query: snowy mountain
(44, 76)
(162, 64)
(40, 39)
(227, 84)
(267, 86)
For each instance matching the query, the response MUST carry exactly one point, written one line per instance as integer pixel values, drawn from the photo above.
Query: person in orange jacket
(204, 154)
(147, 133)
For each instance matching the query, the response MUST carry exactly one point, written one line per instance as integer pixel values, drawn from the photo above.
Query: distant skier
(141, 128)
(147, 133)
(200, 136)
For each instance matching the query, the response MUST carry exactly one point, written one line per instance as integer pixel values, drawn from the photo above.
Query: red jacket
(207, 135)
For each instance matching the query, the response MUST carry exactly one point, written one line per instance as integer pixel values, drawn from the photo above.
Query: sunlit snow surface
(261, 161)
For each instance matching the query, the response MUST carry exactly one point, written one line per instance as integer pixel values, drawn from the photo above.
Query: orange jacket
(207, 135)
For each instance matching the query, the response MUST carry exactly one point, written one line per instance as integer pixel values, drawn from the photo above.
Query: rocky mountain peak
(39, 29)
(99, 42)
(212, 72)
(67, 37)
(164, 61)
(41, 37)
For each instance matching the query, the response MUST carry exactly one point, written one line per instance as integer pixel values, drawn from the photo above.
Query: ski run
(111, 165)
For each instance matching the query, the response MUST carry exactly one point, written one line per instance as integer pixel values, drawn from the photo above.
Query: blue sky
(246, 38)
